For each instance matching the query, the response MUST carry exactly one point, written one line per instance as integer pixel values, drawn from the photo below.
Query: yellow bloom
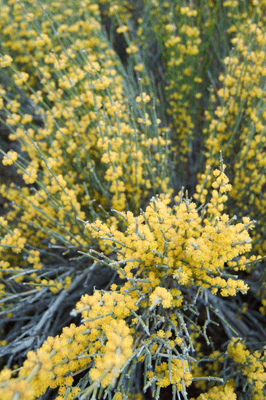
(10, 158)
(5, 61)
(161, 296)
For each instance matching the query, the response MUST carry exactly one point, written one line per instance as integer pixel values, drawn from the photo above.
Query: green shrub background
(132, 239)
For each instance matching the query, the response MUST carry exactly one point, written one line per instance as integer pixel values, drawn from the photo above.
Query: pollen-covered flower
(161, 296)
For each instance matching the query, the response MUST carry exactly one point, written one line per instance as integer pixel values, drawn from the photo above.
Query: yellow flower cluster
(9, 158)
(178, 374)
(224, 392)
(114, 354)
(161, 295)
(102, 304)
(104, 315)
(253, 366)
(5, 61)
(52, 365)
(104, 338)
(179, 242)
(236, 124)
(11, 388)
(13, 240)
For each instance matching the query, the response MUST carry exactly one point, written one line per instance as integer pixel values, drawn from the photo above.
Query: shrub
(115, 282)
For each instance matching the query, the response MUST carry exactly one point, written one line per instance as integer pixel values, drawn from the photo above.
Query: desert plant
(115, 282)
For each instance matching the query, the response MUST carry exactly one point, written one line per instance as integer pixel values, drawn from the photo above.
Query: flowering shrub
(114, 282)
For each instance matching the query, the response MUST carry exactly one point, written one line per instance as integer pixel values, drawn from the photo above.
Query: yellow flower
(5, 61)
(161, 296)
(10, 158)
(122, 29)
